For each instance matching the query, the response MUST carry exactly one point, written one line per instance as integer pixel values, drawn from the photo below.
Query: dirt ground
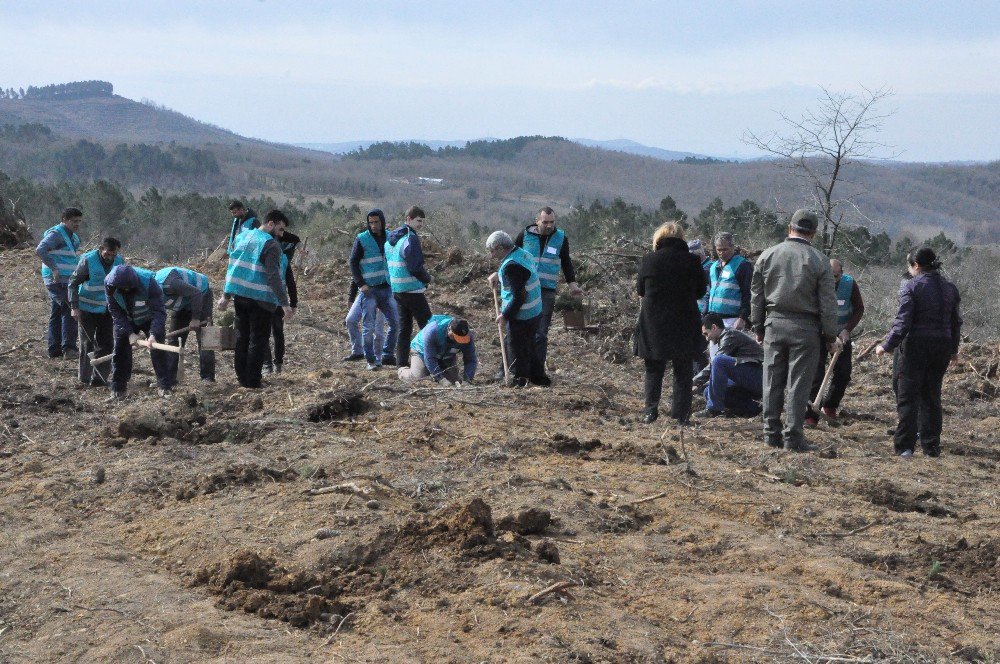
(341, 516)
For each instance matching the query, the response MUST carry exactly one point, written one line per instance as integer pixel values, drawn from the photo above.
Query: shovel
(825, 385)
(503, 340)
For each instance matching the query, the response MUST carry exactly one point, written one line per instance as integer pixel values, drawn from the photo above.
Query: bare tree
(820, 144)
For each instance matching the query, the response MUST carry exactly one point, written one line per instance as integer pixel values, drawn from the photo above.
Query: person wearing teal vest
(88, 303)
(521, 309)
(433, 352)
(549, 246)
(255, 282)
(729, 283)
(135, 302)
(850, 310)
(371, 274)
(244, 219)
(58, 252)
(408, 279)
(188, 297)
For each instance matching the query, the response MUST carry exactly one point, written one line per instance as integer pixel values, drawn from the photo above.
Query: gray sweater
(793, 280)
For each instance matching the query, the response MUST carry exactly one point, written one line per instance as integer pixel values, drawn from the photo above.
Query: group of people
(697, 312)
(389, 293)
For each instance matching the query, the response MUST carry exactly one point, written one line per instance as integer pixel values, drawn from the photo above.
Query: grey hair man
(792, 306)
(729, 283)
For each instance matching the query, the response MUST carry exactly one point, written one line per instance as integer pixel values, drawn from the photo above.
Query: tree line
(498, 150)
(74, 90)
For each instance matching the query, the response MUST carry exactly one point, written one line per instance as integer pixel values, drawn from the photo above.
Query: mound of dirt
(564, 444)
(252, 583)
(336, 406)
(886, 494)
(170, 419)
(531, 521)
(235, 475)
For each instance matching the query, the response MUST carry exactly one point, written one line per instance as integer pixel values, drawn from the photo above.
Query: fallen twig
(647, 499)
(16, 348)
(554, 588)
(850, 532)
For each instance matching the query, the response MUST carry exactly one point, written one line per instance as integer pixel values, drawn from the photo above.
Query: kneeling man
(735, 375)
(433, 351)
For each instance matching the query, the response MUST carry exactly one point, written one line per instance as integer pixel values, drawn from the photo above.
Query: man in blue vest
(408, 279)
(135, 302)
(729, 283)
(244, 219)
(549, 246)
(58, 252)
(371, 273)
(433, 352)
(850, 310)
(521, 295)
(188, 297)
(255, 281)
(88, 303)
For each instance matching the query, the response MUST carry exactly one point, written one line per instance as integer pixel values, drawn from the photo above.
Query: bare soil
(339, 515)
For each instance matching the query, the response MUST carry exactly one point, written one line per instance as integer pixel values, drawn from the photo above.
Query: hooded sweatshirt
(123, 280)
(412, 254)
(358, 250)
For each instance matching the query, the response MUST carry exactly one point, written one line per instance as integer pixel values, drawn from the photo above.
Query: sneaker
(811, 422)
(389, 360)
(277, 367)
(164, 392)
(116, 396)
(651, 415)
(932, 451)
(71, 354)
(774, 442)
(374, 366)
(354, 357)
(518, 382)
(267, 368)
(906, 454)
(708, 413)
(829, 412)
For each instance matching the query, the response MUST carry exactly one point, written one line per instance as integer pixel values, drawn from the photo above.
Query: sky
(691, 76)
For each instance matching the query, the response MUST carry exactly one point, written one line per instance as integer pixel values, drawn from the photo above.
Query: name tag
(551, 250)
(841, 303)
(140, 303)
(727, 273)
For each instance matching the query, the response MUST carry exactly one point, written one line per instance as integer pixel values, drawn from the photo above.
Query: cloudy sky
(678, 75)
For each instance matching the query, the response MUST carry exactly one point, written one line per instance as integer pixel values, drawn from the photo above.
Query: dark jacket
(928, 308)
(413, 254)
(289, 243)
(358, 249)
(670, 282)
(124, 280)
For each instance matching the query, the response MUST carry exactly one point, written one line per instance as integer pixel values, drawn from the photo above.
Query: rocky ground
(341, 516)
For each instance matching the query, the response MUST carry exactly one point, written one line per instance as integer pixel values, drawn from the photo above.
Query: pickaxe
(134, 340)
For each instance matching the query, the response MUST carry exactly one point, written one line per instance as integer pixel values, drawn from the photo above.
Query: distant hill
(631, 147)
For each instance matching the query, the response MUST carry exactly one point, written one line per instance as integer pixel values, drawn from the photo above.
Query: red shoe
(811, 421)
(829, 412)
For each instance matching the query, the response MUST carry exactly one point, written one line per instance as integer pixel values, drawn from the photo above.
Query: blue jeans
(378, 308)
(62, 325)
(353, 322)
(734, 386)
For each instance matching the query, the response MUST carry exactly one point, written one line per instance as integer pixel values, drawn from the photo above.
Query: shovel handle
(503, 336)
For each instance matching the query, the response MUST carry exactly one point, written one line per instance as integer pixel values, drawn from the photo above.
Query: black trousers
(411, 306)
(121, 363)
(206, 358)
(526, 362)
(253, 326)
(838, 382)
(99, 328)
(680, 407)
(922, 365)
(278, 332)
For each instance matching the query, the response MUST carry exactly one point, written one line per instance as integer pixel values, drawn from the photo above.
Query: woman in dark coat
(927, 331)
(670, 283)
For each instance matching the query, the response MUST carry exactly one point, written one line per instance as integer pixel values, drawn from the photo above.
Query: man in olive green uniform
(792, 303)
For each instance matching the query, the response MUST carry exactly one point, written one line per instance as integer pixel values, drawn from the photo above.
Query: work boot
(388, 360)
(708, 413)
(71, 354)
(542, 381)
(518, 382)
(801, 446)
(906, 454)
(373, 366)
(277, 367)
(354, 357)
(268, 368)
(774, 441)
(651, 414)
(116, 396)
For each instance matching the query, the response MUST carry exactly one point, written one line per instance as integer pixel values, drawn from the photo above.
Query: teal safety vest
(400, 277)
(65, 259)
(237, 229)
(844, 307)
(373, 265)
(438, 326)
(703, 302)
(141, 312)
(725, 297)
(246, 275)
(548, 261)
(179, 303)
(93, 297)
(533, 300)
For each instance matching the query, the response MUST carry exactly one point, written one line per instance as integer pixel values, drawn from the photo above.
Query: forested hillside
(81, 133)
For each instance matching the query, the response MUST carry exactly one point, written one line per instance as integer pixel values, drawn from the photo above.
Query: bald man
(850, 310)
